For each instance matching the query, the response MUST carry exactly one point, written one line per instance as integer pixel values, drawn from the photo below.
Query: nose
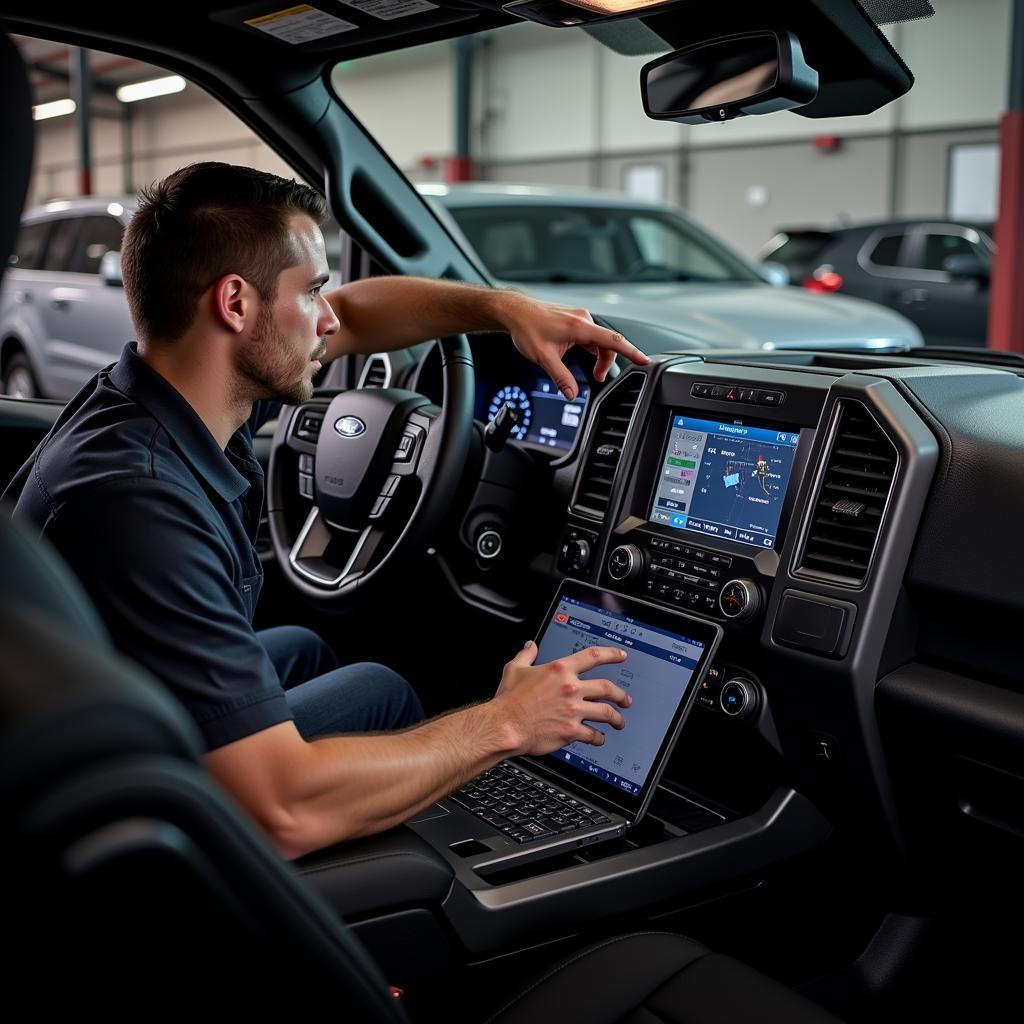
(328, 322)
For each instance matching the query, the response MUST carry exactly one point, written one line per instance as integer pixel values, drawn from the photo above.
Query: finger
(605, 339)
(605, 361)
(589, 735)
(604, 689)
(527, 656)
(560, 375)
(591, 657)
(598, 711)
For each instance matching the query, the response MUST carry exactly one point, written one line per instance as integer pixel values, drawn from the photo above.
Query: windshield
(593, 245)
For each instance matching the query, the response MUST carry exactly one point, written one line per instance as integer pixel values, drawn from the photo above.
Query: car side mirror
(110, 268)
(717, 80)
(776, 274)
(965, 267)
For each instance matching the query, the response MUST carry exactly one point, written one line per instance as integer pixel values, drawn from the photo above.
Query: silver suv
(63, 314)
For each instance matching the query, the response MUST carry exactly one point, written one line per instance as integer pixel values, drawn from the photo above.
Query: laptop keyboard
(524, 807)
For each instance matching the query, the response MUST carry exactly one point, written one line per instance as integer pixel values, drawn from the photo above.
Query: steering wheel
(381, 465)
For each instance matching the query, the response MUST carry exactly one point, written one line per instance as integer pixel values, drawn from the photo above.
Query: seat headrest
(33, 577)
(67, 700)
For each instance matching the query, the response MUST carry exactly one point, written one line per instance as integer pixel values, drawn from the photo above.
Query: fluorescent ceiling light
(154, 87)
(57, 108)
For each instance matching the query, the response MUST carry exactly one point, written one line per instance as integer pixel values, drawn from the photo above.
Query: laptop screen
(667, 655)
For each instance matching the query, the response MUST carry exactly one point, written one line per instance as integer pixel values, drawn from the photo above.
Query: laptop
(527, 808)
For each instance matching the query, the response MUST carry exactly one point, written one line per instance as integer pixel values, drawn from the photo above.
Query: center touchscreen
(657, 674)
(725, 479)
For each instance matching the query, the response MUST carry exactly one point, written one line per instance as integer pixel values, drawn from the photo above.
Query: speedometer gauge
(520, 401)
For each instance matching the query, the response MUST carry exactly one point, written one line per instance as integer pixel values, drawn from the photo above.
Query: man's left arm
(382, 314)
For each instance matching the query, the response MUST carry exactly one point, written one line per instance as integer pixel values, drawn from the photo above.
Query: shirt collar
(142, 384)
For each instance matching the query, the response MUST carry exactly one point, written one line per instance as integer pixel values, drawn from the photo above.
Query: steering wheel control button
(739, 600)
(379, 507)
(626, 562)
(489, 544)
(390, 486)
(738, 698)
(308, 427)
(405, 446)
(305, 463)
(306, 486)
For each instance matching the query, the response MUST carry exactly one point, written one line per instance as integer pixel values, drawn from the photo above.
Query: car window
(662, 244)
(938, 248)
(29, 249)
(62, 241)
(591, 244)
(96, 236)
(886, 251)
(797, 248)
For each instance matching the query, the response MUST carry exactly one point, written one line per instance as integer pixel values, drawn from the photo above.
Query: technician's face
(283, 353)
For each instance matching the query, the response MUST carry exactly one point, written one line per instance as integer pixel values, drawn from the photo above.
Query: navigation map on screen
(725, 479)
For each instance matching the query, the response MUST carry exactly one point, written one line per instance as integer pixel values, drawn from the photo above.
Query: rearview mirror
(110, 268)
(717, 80)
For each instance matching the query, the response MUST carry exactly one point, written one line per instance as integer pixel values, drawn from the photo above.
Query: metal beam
(81, 93)
(1006, 307)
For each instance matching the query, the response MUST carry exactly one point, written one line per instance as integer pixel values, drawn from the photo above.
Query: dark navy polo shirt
(159, 525)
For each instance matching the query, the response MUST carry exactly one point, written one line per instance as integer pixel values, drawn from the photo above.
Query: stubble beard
(268, 370)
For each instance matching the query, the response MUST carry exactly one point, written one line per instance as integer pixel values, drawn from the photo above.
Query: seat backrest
(133, 883)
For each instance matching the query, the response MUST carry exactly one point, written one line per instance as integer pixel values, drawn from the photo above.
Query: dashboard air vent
(376, 372)
(847, 511)
(605, 442)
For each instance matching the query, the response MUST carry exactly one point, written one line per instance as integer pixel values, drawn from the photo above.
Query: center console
(780, 501)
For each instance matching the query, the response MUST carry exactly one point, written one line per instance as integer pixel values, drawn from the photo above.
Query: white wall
(167, 132)
(405, 99)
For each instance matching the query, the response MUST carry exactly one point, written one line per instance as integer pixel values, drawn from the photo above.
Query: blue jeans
(365, 697)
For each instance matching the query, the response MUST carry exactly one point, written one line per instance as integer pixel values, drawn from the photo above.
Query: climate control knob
(738, 698)
(625, 563)
(739, 600)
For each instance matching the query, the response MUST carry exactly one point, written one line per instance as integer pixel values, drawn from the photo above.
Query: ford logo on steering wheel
(350, 426)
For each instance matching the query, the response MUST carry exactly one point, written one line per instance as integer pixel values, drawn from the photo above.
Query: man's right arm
(307, 795)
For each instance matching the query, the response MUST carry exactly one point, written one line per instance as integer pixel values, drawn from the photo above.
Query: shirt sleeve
(162, 579)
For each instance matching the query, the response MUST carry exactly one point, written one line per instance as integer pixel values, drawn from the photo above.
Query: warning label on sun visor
(388, 10)
(302, 24)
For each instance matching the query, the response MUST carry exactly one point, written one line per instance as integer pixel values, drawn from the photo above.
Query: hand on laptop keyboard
(548, 706)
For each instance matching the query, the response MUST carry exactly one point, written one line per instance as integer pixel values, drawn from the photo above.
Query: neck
(200, 371)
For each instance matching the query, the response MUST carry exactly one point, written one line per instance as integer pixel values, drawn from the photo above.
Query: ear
(233, 302)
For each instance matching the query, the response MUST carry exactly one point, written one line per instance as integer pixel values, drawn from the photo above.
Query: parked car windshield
(598, 244)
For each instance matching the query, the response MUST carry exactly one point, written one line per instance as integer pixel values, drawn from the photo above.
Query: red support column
(1006, 312)
(458, 168)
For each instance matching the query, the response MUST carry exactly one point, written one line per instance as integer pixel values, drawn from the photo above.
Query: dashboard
(849, 521)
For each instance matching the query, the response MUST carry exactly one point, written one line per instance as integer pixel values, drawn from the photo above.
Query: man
(149, 487)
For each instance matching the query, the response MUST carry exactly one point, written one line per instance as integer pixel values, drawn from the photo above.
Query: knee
(394, 692)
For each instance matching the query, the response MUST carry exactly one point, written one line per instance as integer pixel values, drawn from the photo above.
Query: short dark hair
(200, 223)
